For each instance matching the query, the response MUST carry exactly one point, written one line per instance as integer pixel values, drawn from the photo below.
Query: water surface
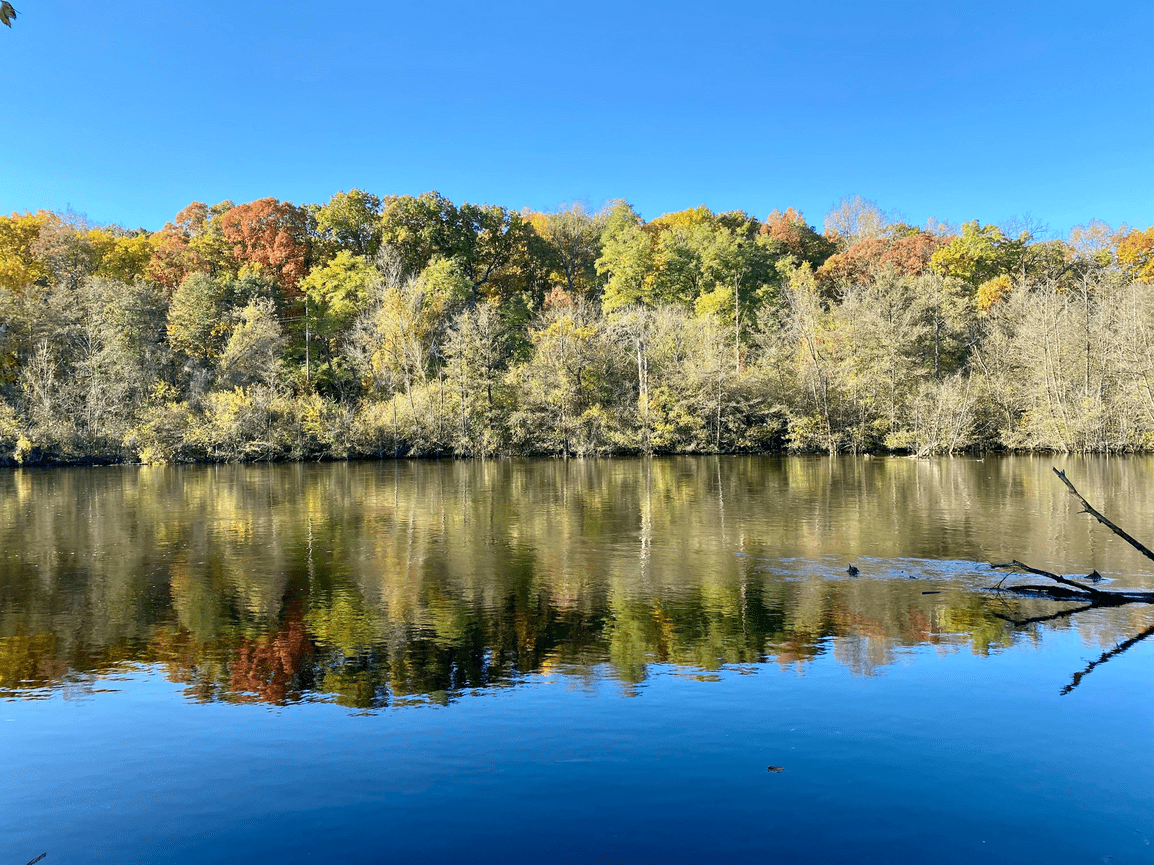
(570, 660)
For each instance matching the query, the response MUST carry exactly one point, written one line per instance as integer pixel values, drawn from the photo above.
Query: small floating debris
(931, 593)
(777, 768)
(852, 570)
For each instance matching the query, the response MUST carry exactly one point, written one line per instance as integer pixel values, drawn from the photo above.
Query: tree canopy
(399, 324)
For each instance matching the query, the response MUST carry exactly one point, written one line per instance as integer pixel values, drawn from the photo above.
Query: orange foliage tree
(796, 237)
(192, 243)
(908, 255)
(272, 234)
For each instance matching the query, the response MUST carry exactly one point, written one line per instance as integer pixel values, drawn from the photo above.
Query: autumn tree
(122, 255)
(1136, 253)
(193, 242)
(65, 248)
(272, 234)
(979, 253)
(908, 254)
(854, 219)
(19, 265)
(395, 339)
(789, 234)
(1094, 242)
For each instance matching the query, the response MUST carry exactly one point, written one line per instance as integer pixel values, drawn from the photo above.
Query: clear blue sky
(128, 110)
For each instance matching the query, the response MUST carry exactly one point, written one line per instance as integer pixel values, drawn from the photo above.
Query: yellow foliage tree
(993, 291)
(1136, 252)
(123, 258)
(19, 266)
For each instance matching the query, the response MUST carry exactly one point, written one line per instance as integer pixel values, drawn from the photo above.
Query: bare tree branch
(1093, 593)
(1086, 508)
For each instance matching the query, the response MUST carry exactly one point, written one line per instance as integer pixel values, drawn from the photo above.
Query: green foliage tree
(255, 344)
(573, 235)
(196, 317)
(350, 222)
(335, 293)
(627, 260)
(489, 244)
(474, 357)
(559, 390)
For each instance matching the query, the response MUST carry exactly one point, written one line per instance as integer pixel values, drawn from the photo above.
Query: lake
(586, 661)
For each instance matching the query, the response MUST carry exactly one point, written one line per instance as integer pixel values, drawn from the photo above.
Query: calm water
(583, 661)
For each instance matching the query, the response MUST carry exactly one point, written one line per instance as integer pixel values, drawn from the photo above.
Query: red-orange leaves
(907, 256)
(191, 243)
(272, 234)
(794, 236)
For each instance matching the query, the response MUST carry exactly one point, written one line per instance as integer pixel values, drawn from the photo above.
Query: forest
(411, 326)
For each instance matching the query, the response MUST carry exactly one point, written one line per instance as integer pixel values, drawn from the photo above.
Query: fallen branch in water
(1077, 591)
(1087, 590)
(1071, 589)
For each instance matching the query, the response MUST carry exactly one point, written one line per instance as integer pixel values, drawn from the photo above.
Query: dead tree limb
(1074, 589)
(1106, 656)
(1088, 596)
(1086, 508)
(1063, 580)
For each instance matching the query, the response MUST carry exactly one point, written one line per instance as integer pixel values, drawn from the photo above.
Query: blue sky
(129, 110)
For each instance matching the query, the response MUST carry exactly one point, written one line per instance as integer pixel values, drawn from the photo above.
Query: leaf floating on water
(777, 768)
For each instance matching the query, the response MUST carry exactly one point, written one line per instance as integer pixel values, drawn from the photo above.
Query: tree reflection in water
(381, 584)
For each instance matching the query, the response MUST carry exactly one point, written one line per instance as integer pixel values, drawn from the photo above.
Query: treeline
(411, 326)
